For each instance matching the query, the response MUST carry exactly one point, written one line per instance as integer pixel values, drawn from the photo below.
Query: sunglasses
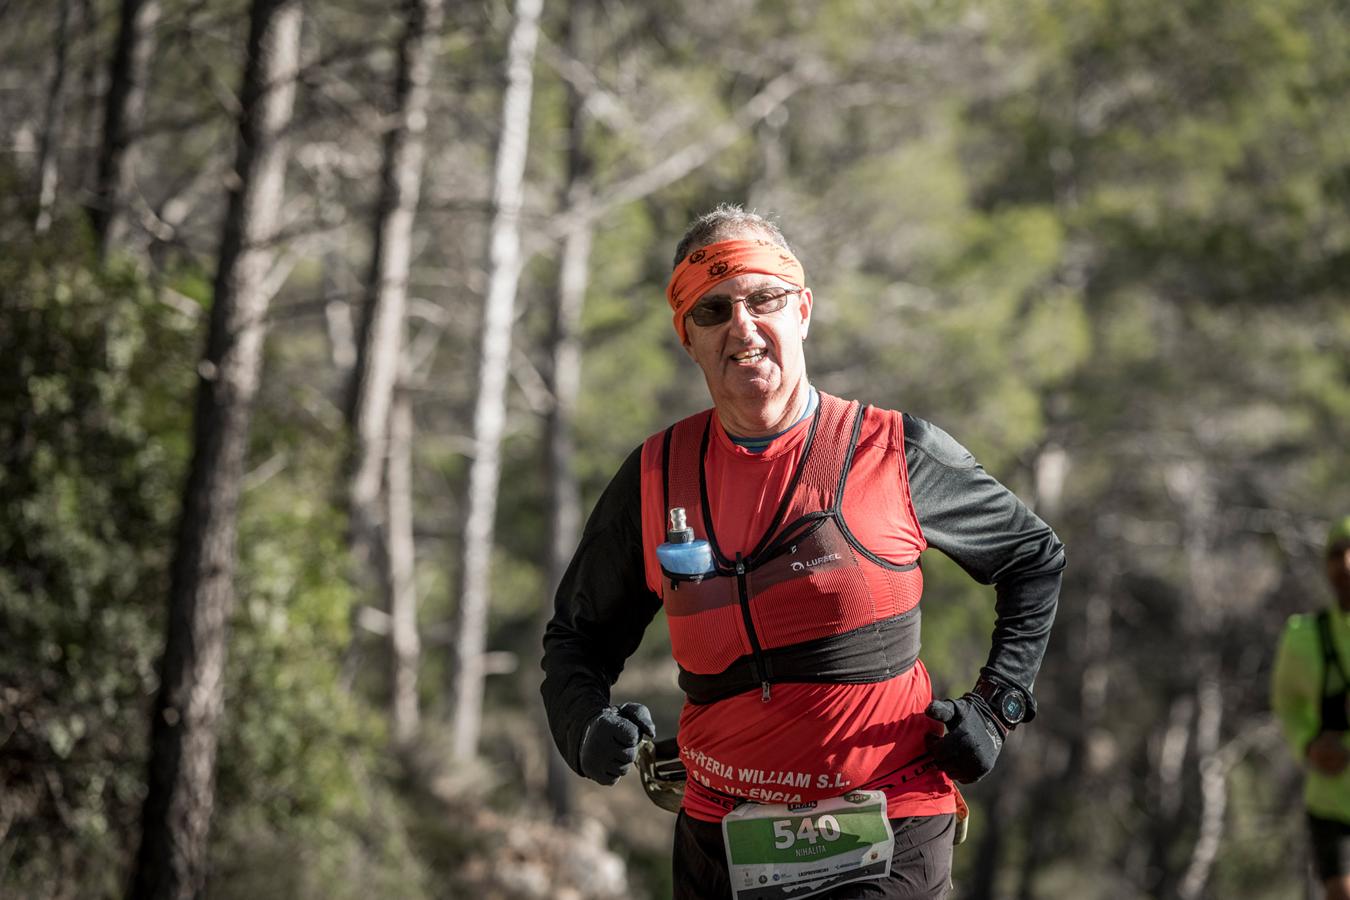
(716, 310)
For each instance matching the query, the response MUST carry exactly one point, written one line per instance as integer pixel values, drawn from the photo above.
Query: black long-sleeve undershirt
(603, 604)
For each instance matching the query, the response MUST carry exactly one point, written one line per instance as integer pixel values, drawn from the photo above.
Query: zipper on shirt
(761, 671)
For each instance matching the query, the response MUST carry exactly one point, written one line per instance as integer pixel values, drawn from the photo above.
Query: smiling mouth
(748, 356)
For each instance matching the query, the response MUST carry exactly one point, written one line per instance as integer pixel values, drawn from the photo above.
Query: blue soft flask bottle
(681, 554)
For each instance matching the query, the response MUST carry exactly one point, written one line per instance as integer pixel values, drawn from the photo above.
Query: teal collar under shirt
(759, 444)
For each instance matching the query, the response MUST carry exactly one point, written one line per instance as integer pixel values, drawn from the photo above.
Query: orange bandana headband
(708, 266)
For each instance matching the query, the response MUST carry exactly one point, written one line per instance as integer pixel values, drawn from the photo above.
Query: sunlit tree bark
(49, 156)
(489, 420)
(565, 374)
(379, 351)
(380, 338)
(400, 551)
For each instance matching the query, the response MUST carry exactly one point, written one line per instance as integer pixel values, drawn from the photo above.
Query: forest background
(368, 297)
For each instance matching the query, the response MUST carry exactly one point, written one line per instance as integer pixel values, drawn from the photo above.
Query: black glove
(610, 743)
(974, 737)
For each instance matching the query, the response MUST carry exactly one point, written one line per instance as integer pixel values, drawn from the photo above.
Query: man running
(1309, 695)
(819, 763)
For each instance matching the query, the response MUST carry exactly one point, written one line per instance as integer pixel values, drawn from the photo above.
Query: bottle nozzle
(681, 555)
(679, 531)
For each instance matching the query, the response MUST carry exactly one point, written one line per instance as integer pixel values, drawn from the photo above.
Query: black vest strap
(872, 653)
(1335, 715)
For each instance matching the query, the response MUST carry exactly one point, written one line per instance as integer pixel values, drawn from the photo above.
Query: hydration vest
(810, 602)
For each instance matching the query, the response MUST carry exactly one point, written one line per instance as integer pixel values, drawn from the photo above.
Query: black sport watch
(1010, 704)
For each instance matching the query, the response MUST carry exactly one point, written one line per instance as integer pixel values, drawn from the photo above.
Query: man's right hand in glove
(1327, 753)
(610, 743)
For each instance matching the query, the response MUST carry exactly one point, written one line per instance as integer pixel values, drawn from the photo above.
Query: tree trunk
(1213, 778)
(990, 851)
(1169, 747)
(564, 493)
(565, 377)
(1046, 795)
(402, 585)
(172, 858)
(1192, 485)
(88, 108)
(380, 340)
(489, 418)
(49, 155)
(334, 284)
(123, 112)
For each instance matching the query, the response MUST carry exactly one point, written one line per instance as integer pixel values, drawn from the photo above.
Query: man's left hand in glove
(974, 737)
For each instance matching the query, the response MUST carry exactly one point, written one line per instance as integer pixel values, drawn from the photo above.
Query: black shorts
(921, 868)
(1330, 847)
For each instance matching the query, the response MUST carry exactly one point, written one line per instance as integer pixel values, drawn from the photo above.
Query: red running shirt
(809, 741)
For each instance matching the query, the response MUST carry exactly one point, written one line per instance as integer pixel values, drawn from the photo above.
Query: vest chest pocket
(813, 588)
(706, 629)
(808, 560)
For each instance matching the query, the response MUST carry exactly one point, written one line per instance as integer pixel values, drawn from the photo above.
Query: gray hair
(726, 221)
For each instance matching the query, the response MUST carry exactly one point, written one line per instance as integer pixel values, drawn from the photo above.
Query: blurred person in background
(808, 715)
(1311, 696)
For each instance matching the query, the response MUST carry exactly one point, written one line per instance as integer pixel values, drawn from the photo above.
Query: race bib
(801, 849)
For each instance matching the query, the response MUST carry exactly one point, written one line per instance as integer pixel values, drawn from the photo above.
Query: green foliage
(353, 851)
(303, 759)
(629, 341)
(96, 376)
(286, 707)
(99, 376)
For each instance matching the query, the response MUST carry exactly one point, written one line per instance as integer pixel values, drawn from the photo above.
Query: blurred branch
(600, 102)
(271, 467)
(417, 357)
(687, 159)
(532, 384)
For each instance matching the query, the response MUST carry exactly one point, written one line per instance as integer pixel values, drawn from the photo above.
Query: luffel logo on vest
(801, 567)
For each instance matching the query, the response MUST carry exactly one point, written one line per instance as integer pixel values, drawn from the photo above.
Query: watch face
(1013, 707)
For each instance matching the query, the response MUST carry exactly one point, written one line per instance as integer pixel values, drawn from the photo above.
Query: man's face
(1338, 572)
(748, 360)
